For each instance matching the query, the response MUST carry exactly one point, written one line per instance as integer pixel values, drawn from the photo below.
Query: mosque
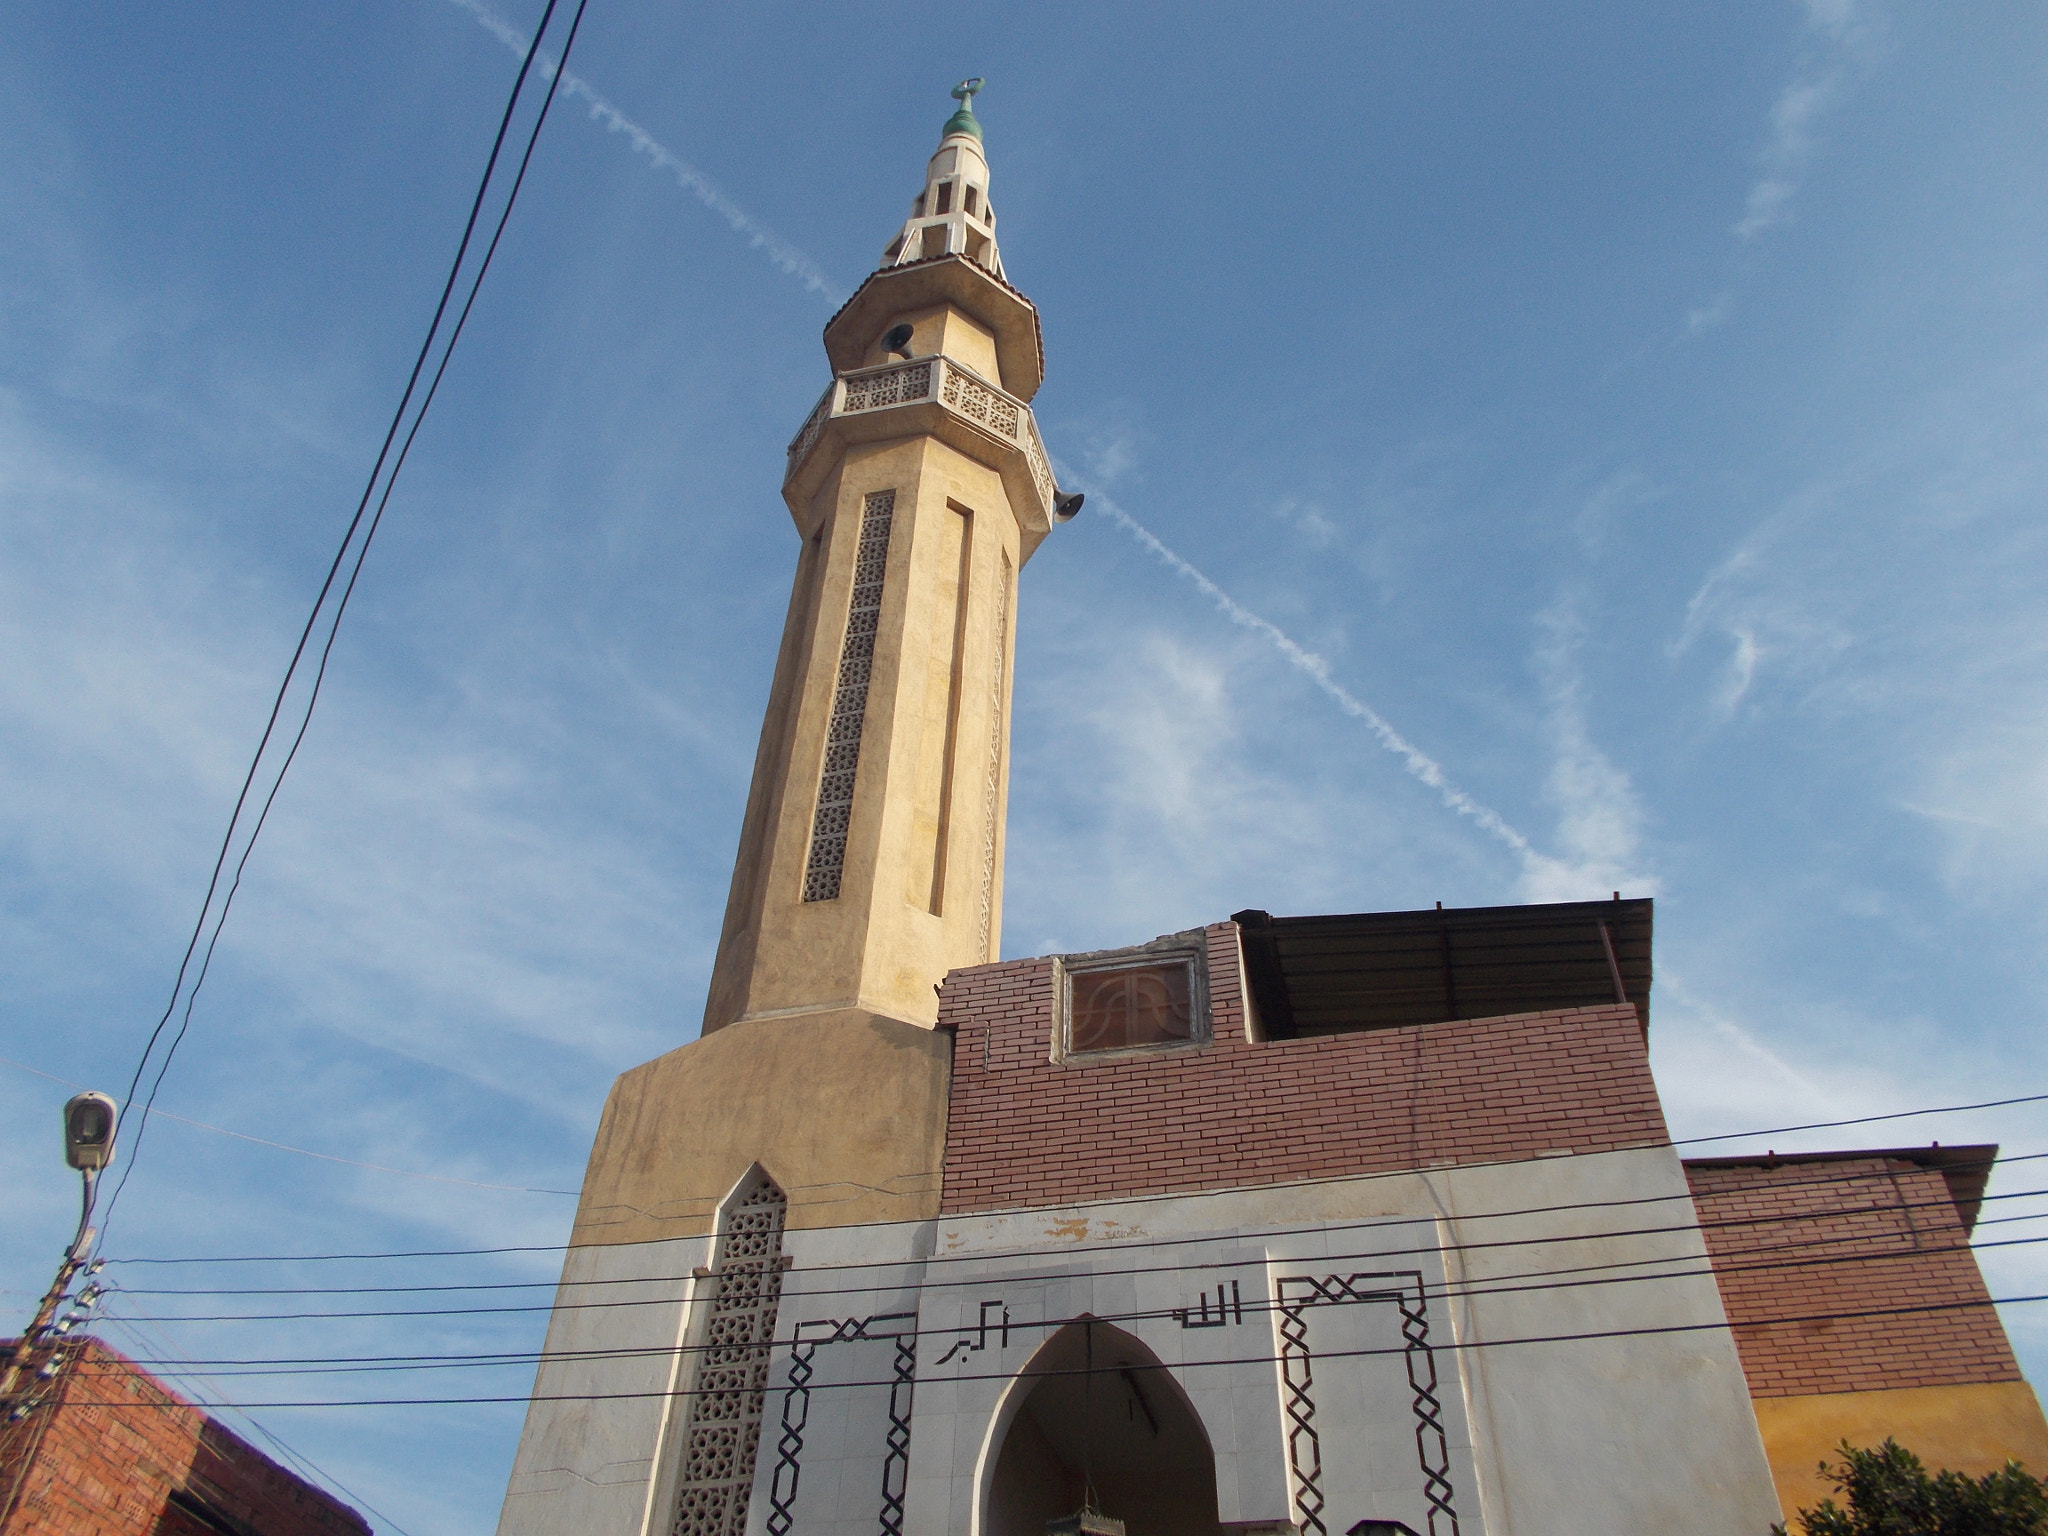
(1329, 1225)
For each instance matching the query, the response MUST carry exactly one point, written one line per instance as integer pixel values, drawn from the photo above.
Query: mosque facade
(1338, 1226)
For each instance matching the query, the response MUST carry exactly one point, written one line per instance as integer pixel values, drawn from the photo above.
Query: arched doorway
(1127, 1424)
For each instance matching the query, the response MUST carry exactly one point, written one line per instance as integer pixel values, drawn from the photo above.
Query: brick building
(110, 1451)
(1312, 1225)
(1859, 1310)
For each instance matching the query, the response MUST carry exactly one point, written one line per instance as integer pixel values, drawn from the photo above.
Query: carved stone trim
(992, 781)
(1034, 456)
(901, 385)
(981, 404)
(815, 424)
(923, 381)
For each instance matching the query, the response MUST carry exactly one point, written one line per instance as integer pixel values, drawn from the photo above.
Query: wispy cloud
(1717, 1073)
(1710, 314)
(1418, 763)
(130, 681)
(1599, 828)
(1775, 621)
(1842, 34)
(784, 255)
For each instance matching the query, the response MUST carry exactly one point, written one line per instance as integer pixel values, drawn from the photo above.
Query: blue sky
(1639, 415)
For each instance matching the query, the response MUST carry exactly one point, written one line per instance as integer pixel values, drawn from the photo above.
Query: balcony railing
(918, 382)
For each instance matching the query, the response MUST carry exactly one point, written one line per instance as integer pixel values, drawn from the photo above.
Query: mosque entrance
(1125, 1425)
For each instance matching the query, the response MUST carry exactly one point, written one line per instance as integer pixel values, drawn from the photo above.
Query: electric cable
(1458, 1345)
(327, 585)
(887, 1287)
(668, 1278)
(1156, 1242)
(1247, 1235)
(1713, 1267)
(305, 1464)
(540, 1352)
(1126, 1199)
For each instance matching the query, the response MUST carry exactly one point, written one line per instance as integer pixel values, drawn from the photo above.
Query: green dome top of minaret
(963, 121)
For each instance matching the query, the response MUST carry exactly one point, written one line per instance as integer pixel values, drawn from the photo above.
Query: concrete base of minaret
(844, 1108)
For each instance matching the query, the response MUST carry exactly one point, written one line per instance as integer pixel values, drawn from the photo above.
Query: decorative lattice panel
(723, 1428)
(976, 401)
(868, 392)
(849, 701)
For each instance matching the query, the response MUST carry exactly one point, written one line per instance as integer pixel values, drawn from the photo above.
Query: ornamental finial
(963, 121)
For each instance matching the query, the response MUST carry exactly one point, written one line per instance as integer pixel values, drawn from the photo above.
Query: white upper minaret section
(952, 216)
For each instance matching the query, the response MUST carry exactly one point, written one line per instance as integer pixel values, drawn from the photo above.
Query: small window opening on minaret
(917, 208)
(977, 248)
(971, 196)
(935, 240)
(945, 198)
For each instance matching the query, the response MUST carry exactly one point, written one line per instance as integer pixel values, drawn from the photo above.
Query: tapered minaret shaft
(870, 859)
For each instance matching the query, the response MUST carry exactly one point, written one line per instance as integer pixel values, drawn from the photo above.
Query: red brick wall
(1023, 1130)
(113, 1443)
(1855, 1235)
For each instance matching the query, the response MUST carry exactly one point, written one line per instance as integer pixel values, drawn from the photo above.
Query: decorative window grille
(724, 1424)
(1131, 1006)
(849, 701)
(1116, 1002)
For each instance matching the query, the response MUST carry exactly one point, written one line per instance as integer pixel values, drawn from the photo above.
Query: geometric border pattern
(1296, 1294)
(901, 1327)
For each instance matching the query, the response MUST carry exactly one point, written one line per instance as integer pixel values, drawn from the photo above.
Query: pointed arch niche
(711, 1466)
(1144, 1444)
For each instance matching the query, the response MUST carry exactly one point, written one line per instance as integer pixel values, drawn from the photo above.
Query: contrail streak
(793, 261)
(662, 158)
(1418, 762)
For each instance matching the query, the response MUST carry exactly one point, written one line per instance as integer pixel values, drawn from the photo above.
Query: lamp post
(90, 1123)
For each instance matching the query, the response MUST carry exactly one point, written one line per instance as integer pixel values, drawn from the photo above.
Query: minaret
(871, 855)
(870, 860)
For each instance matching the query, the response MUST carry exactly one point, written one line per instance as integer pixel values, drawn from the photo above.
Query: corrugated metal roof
(1380, 970)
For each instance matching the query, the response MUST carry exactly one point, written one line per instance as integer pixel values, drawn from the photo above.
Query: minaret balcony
(928, 396)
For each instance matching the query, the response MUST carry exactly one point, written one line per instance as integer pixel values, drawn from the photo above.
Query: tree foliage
(1889, 1493)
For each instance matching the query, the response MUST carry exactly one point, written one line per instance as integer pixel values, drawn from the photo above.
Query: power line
(1248, 1235)
(1494, 1285)
(327, 586)
(304, 1463)
(896, 1287)
(1459, 1345)
(1178, 1194)
(1829, 1125)
(1251, 1235)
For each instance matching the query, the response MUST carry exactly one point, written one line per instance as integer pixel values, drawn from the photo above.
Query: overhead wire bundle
(298, 693)
(1844, 1194)
(291, 711)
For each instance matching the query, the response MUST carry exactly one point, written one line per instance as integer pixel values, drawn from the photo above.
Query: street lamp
(91, 1121)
